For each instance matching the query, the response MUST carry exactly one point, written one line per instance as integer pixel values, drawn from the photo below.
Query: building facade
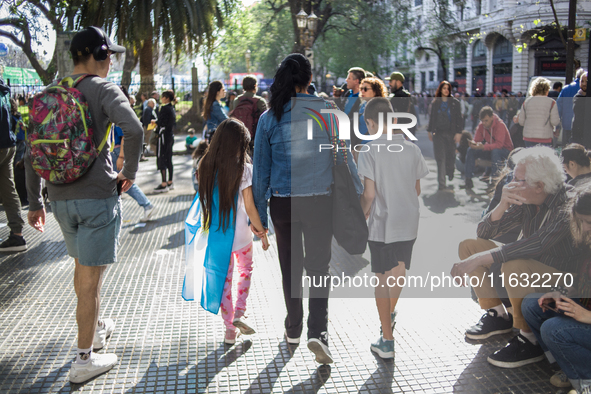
(498, 44)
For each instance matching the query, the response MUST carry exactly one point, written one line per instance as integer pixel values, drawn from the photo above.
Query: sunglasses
(366, 89)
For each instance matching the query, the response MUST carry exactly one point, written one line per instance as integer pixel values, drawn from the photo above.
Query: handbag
(348, 220)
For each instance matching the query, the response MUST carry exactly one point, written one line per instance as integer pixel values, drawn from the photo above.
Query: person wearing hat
(400, 98)
(88, 210)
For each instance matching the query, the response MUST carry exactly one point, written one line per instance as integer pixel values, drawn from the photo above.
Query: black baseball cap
(85, 41)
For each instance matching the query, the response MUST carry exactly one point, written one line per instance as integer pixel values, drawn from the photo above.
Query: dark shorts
(384, 256)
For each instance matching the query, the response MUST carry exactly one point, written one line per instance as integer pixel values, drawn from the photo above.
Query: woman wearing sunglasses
(369, 88)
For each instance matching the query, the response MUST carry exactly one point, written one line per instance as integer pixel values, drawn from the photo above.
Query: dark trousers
(164, 153)
(444, 149)
(303, 226)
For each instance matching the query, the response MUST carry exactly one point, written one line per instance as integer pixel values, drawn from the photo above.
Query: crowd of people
(258, 160)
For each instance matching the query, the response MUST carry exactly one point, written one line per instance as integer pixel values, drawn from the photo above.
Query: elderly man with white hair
(534, 201)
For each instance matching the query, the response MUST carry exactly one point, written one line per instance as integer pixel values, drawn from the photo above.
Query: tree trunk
(146, 67)
(131, 60)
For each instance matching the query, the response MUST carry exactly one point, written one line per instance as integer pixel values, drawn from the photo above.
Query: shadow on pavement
(440, 201)
(266, 379)
(481, 376)
(314, 383)
(381, 380)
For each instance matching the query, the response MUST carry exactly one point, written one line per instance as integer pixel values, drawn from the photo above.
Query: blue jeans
(568, 340)
(134, 192)
(497, 156)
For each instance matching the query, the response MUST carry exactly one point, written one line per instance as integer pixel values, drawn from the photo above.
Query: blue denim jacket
(286, 163)
(216, 117)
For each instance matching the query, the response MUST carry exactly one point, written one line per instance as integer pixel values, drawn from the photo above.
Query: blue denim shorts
(91, 228)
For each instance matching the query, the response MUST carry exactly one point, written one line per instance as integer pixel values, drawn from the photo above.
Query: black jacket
(456, 121)
(7, 137)
(402, 102)
(581, 113)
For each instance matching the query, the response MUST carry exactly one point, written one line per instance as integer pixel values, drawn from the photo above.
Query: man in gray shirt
(88, 210)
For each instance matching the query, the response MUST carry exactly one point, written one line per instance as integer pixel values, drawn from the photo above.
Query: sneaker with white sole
(161, 189)
(171, 186)
(104, 329)
(245, 329)
(148, 213)
(14, 243)
(319, 346)
(518, 352)
(291, 341)
(490, 324)
(230, 337)
(383, 347)
(98, 364)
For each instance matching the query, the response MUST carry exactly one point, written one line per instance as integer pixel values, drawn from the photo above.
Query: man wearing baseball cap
(400, 99)
(88, 210)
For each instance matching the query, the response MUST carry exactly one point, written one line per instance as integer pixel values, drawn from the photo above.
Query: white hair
(580, 73)
(541, 165)
(152, 101)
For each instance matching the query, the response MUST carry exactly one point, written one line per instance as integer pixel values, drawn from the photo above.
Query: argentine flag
(207, 256)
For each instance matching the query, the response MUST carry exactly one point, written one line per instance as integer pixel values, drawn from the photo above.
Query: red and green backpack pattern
(60, 133)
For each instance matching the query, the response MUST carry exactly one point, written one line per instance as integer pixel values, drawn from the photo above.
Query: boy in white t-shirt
(391, 171)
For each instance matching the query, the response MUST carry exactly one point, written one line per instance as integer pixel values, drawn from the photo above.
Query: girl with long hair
(445, 129)
(290, 168)
(225, 195)
(166, 123)
(213, 112)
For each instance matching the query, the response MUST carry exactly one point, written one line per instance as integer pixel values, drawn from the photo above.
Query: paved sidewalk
(167, 345)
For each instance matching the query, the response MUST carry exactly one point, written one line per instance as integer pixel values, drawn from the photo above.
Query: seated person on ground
(576, 163)
(561, 319)
(534, 201)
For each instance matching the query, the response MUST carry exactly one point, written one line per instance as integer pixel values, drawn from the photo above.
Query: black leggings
(164, 152)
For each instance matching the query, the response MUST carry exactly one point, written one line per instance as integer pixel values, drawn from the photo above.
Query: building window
(431, 76)
(461, 12)
(418, 3)
(479, 49)
(478, 5)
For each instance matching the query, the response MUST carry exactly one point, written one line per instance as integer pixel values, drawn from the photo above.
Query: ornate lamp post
(307, 25)
(247, 55)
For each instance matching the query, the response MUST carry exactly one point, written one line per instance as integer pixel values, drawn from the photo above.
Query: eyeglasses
(365, 89)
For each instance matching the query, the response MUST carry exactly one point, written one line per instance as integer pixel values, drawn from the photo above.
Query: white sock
(384, 339)
(550, 357)
(530, 336)
(501, 312)
(83, 355)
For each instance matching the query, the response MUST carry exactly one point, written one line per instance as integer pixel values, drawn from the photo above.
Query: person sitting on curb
(534, 201)
(561, 319)
(492, 141)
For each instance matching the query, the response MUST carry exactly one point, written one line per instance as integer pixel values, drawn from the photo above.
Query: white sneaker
(148, 213)
(104, 329)
(98, 364)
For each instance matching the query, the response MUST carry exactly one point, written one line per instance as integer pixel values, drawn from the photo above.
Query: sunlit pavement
(167, 345)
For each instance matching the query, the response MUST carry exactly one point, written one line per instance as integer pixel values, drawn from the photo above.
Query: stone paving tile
(167, 345)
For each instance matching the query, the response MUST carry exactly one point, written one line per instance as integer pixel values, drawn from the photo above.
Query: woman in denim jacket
(212, 110)
(293, 166)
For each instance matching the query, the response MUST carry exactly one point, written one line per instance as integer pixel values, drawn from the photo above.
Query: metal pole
(570, 44)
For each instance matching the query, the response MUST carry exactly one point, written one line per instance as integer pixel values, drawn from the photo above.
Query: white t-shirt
(394, 214)
(242, 234)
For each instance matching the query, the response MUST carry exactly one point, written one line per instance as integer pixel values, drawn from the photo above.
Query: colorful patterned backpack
(60, 133)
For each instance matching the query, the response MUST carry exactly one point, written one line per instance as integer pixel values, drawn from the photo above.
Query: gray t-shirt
(107, 103)
(394, 215)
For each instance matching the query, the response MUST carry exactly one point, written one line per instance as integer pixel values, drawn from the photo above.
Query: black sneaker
(518, 352)
(161, 189)
(450, 177)
(319, 346)
(490, 324)
(14, 243)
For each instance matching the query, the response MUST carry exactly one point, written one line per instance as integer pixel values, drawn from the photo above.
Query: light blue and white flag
(207, 256)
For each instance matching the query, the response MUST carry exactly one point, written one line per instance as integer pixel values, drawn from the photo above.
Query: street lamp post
(307, 25)
(247, 55)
